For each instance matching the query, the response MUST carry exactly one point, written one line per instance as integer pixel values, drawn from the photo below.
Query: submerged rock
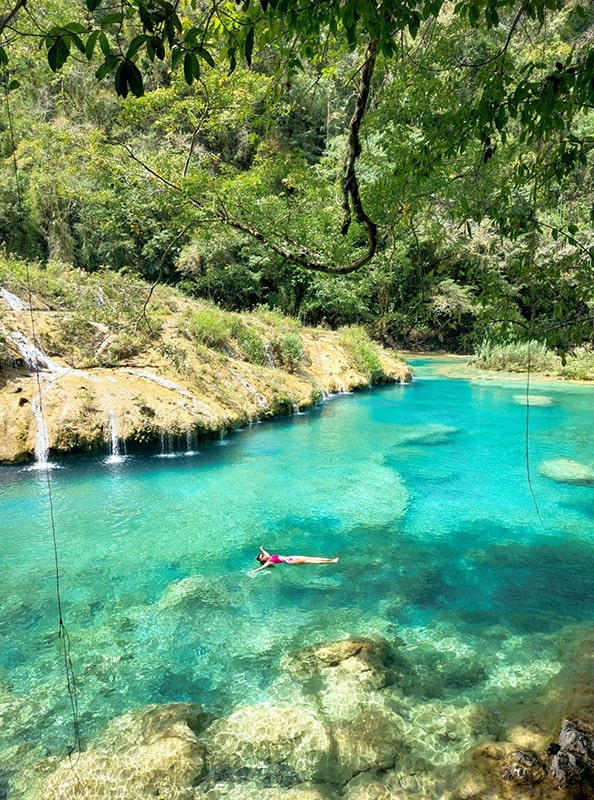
(533, 400)
(372, 661)
(255, 791)
(195, 590)
(565, 470)
(265, 735)
(433, 433)
(151, 752)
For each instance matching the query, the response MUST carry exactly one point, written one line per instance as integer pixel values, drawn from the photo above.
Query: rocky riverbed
(338, 723)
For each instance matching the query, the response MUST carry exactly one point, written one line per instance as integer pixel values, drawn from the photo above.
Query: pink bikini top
(276, 559)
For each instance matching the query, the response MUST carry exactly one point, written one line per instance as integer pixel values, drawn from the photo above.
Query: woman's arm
(263, 566)
(264, 552)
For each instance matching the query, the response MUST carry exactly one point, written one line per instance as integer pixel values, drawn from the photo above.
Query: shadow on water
(482, 577)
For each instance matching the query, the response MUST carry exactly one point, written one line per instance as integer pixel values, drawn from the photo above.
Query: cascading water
(15, 303)
(167, 448)
(115, 457)
(42, 440)
(33, 357)
(190, 442)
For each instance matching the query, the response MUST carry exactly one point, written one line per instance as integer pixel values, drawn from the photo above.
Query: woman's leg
(309, 560)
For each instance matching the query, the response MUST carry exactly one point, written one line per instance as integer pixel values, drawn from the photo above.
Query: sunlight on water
(421, 490)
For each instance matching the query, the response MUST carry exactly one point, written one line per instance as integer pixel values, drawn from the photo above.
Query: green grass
(288, 351)
(363, 351)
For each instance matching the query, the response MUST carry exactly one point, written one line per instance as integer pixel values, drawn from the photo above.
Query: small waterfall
(167, 448)
(115, 456)
(34, 358)
(191, 443)
(42, 439)
(15, 303)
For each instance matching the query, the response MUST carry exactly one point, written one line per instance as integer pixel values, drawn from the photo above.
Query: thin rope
(527, 440)
(528, 374)
(63, 635)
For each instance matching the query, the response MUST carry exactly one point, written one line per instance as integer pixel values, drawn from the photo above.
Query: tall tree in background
(439, 92)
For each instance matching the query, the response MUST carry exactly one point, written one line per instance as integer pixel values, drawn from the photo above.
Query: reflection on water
(421, 490)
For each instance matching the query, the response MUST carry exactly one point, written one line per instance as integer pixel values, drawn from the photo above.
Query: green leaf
(192, 36)
(249, 45)
(176, 55)
(136, 44)
(75, 27)
(112, 19)
(104, 44)
(134, 78)
(78, 42)
(203, 53)
(93, 4)
(146, 18)
(58, 53)
(110, 63)
(3, 56)
(191, 67)
(121, 84)
(90, 46)
(473, 13)
(14, 84)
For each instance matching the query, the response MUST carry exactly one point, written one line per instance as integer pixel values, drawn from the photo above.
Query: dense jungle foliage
(227, 160)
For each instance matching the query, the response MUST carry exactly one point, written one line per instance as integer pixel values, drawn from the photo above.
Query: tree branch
(7, 18)
(301, 256)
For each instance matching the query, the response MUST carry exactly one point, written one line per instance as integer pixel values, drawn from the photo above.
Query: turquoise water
(421, 490)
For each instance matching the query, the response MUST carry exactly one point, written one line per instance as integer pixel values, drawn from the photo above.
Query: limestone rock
(141, 725)
(540, 400)
(370, 660)
(194, 590)
(522, 767)
(165, 387)
(152, 752)
(255, 791)
(566, 470)
(573, 763)
(374, 739)
(260, 736)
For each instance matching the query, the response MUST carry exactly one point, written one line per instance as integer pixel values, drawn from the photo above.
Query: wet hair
(261, 557)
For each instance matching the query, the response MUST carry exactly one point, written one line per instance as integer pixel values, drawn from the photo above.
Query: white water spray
(115, 456)
(34, 358)
(42, 440)
(15, 303)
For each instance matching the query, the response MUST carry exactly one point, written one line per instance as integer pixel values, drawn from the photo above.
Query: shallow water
(423, 492)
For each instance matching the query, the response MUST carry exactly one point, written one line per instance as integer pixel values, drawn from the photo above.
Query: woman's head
(261, 558)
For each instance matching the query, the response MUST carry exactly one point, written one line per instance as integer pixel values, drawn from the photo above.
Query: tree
(542, 99)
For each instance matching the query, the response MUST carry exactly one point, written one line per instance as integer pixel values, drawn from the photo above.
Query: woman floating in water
(267, 560)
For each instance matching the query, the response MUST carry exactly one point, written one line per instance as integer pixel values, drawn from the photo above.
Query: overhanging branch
(352, 203)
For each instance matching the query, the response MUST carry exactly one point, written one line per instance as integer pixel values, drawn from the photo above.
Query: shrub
(121, 347)
(517, 357)
(209, 327)
(579, 366)
(288, 351)
(363, 352)
(276, 319)
(250, 343)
